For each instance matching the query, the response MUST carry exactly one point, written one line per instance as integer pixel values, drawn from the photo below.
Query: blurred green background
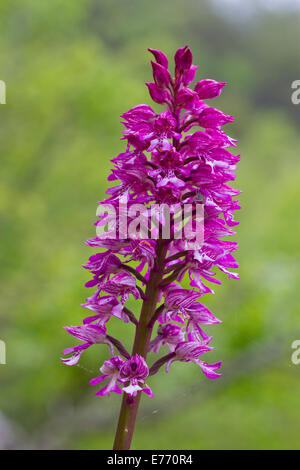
(71, 68)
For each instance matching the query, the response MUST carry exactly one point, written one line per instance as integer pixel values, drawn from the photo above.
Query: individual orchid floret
(188, 99)
(198, 315)
(190, 352)
(143, 251)
(213, 118)
(135, 371)
(207, 89)
(104, 307)
(176, 303)
(102, 265)
(180, 305)
(160, 57)
(90, 334)
(183, 60)
(199, 265)
(111, 371)
(170, 335)
(121, 285)
(158, 94)
(160, 74)
(146, 130)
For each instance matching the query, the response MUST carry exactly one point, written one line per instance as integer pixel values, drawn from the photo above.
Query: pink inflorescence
(166, 161)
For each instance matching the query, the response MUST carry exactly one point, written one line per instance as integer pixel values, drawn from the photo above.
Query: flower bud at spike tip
(159, 57)
(160, 74)
(157, 94)
(209, 89)
(183, 59)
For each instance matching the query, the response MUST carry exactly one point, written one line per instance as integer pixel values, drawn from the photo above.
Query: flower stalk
(128, 412)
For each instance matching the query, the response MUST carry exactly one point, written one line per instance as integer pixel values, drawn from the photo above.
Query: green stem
(129, 410)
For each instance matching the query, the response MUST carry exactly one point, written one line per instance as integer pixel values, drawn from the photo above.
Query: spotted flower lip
(179, 155)
(135, 371)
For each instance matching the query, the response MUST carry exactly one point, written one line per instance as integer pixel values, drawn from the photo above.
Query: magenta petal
(157, 93)
(160, 57)
(160, 74)
(183, 59)
(97, 380)
(148, 392)
(209, 369)
(209, 88)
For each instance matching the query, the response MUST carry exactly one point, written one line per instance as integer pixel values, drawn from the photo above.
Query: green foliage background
(71, 68)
